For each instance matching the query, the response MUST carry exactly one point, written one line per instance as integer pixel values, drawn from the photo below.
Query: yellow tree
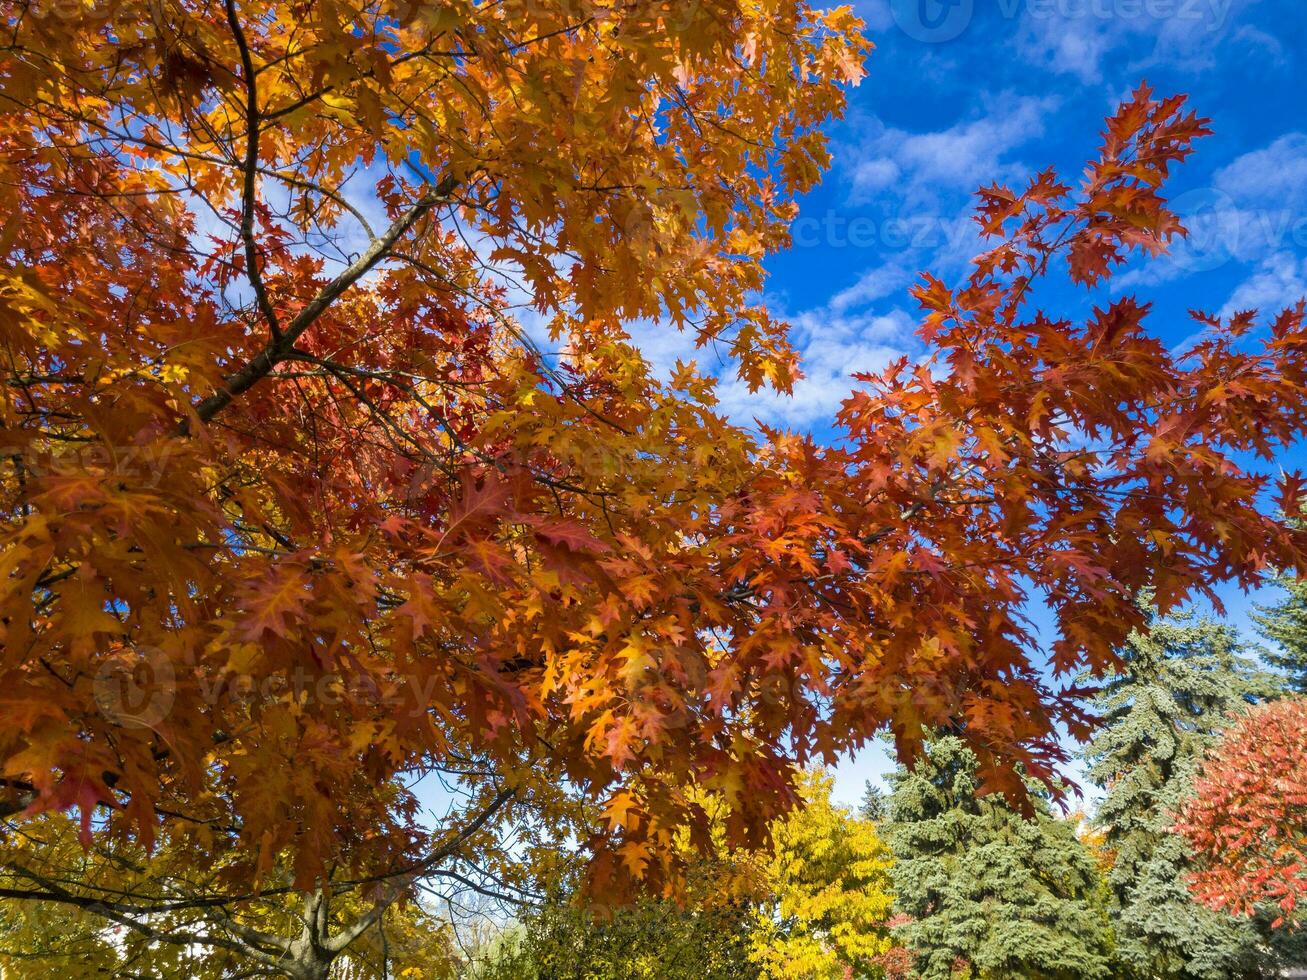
(828, 904)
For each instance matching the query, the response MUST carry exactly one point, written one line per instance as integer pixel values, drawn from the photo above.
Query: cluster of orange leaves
(1246, 814)
(555, 568)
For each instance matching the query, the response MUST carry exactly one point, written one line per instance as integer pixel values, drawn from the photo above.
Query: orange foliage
(356, 522)
(1246, 815)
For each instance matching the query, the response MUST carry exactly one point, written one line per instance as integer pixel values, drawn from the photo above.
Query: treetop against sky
(1002, 88)
(247, 444)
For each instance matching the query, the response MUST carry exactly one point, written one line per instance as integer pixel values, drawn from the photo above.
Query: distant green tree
(988, 892)
(651, 940)
(875, 803)
(1285, 625)
(1174, 693)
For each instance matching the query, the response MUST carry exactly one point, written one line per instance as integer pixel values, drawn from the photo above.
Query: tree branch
(277, 350)
(250, 171)
(361, 925)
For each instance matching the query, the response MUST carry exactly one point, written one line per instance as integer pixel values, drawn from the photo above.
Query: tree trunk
(307, 963)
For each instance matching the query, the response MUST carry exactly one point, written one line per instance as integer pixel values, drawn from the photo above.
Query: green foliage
(989, 892)
(653, 939)
(1159, 714)
(1285, 625)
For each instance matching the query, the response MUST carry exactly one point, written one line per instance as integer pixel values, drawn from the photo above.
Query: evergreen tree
(987, 891)
(875, 803)
(1159, 713)
(1285, 625)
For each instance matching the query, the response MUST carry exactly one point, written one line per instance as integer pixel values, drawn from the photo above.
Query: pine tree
(875, 803)
(1174, 693)
(987, 891)
(1285, 625)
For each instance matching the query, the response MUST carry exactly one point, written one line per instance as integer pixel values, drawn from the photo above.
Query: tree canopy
(989, 891)
(330, 461)
(1246, 817)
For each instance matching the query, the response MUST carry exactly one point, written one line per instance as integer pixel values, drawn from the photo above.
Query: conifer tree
(875, 803)
(1175, 691)
(988, 891)
(1285, 625)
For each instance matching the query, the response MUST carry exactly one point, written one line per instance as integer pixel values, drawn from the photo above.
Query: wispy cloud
(1078, 37)
(1279, 281)
(1274, 174)
(920, 167)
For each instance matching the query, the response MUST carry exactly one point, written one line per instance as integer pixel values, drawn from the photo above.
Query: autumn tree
(284, 463)
(989, 891)
(1246, 816)
(814, 904)
(1160, 711)
(826, 901)
(331, 464)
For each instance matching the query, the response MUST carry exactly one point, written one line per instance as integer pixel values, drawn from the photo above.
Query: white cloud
(1280, 281)
(1266, 45)
(876, 283)
(1060, 46)
(877, 174)
(1078, 37)
(833, 349)
(1274, 174)
(919, 166)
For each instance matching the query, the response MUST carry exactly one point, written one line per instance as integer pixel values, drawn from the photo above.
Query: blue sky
(1008, 87)
(961, 92)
